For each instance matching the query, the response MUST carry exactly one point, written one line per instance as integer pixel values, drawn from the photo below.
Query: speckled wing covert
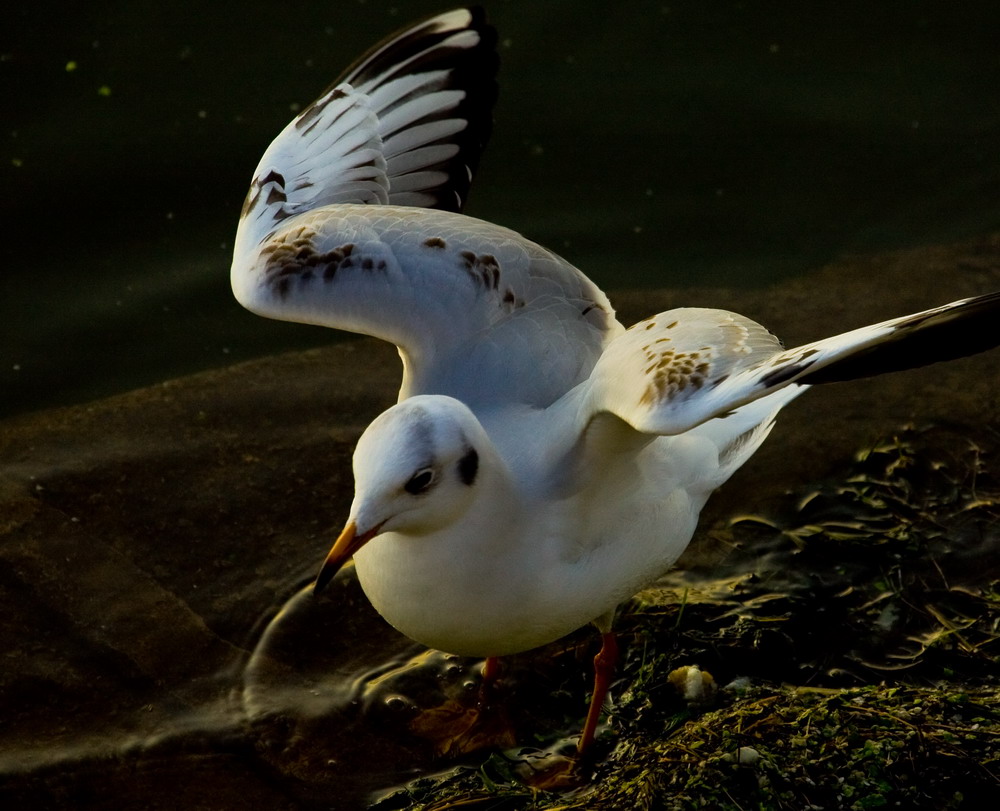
(351, 223)
(676, 370)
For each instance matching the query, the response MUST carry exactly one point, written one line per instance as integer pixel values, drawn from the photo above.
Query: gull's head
(416, 470)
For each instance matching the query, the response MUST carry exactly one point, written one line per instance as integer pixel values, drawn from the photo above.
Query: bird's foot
(555, 772)
(457, 729)
(560, 775)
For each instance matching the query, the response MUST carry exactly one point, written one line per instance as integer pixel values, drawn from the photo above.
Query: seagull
(543, 463)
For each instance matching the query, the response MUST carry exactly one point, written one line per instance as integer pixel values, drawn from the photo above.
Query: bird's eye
(419, 481)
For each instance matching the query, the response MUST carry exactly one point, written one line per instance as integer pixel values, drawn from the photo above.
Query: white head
(416, 466)
(416, 471)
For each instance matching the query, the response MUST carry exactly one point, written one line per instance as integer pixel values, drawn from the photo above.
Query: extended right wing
(681, 368)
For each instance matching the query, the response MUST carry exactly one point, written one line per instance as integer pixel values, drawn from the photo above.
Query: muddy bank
(148, 540)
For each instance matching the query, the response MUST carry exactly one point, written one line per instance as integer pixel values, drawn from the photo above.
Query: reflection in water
(330, 692)
(336, 699)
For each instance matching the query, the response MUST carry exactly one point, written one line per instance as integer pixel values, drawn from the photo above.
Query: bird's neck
(494, 519)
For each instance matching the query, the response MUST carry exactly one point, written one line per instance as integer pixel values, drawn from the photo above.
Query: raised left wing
(350, 224)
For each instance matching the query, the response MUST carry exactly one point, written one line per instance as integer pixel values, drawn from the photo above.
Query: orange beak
(344, 547)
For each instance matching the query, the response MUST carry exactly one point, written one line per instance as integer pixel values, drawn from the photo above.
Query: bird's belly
(495, 605)
(469, 610)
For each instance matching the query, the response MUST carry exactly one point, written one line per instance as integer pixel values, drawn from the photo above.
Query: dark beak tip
(323, 580)
(343, 550)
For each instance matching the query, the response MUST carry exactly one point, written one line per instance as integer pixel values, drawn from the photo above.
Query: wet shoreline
(147, 539)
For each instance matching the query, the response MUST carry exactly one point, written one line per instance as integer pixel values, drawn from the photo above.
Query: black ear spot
(468, 466)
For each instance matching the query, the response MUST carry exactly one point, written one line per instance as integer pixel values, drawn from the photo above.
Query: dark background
(653, 144)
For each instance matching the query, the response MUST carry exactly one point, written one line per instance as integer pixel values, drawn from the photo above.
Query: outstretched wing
(350, 224)
(676, 370)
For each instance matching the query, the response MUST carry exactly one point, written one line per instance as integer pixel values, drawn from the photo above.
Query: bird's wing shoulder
(664, 374)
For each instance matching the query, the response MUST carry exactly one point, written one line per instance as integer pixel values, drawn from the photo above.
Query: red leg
(491, 672)
(491, 669)
(604, 668)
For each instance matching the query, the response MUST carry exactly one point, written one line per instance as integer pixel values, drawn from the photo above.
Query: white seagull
(543, 463)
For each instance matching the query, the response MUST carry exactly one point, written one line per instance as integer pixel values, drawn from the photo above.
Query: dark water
(654, 145)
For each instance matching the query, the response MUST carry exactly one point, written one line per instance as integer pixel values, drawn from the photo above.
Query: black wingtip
(403, 45)
(957, 330)
(422, 47)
